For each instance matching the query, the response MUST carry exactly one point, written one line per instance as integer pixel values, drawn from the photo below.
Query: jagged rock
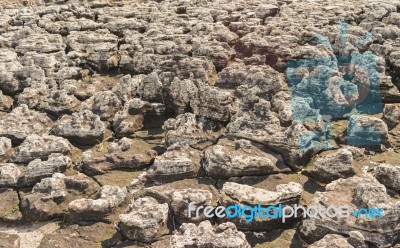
(126, 153)
(333, 166)
(9, 240)
(35, 146)
(223, 235)
(178, 194)
(212, 103)
(6, 102)
(121, 24)
(5, 147)
(234, 193)
(355, 192)
(180, 93)
(263, 79)
(99, 48)
(179, 204)
(50, 197)
(367, 131)
(220, 53)
(391, 114)
(294, 143)
(108, 198)
(22, 121)
(188, 129)
(81, 89)
(58, 103)
(236, 158)
(38, 169)
(9, 175)
(51, 25)
(389, 176)
(41, 43)
(130, 119)
(145, 220)
(280, 103)
(150, 88)
(178, 162)
(83, 128)
(104, 104)
(128, 87)
(12, 176)
(9, 209)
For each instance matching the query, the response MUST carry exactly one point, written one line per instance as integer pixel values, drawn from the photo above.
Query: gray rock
(178, 162)
(360, 127)
(179, 204)
(99, 48)
(59, 102)
(188, 129)
(389, 176)
(84, 128)
(355, 192)
(104, 104)
(38, 169)
(223, 235)
(145, 220)
(126, 153)
(236, 158)
(41, 43)
(391, 114)
(35, 146)
(49, 198)
(220, 53)
(333, 166)
(5, 147)
(212, 103)
(150, 88)
(21, 122)
(6, 102)
(107, 199)
(128, 87)
(130, 119)
(9, 175)
(234, 193)
(181, 92)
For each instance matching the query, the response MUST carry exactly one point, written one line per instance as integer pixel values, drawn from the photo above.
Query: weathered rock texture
(159, 104)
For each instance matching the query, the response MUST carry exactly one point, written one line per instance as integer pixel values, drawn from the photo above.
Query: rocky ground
(114, 115)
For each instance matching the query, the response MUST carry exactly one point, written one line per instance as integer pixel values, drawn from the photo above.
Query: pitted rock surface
(159, 104)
